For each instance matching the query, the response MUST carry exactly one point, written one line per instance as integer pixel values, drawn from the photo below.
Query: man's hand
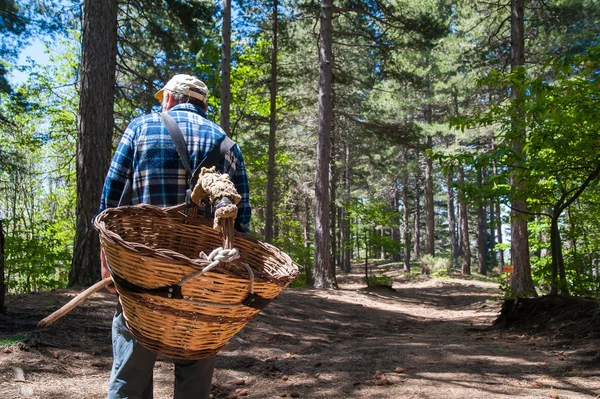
(105, 273)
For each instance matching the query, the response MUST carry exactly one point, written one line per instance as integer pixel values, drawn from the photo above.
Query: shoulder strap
(178, 140)
(126, 194)
(213, 157)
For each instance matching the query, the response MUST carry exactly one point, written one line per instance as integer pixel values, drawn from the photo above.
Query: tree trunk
(367, 257)
(2, 285)
(417, 221)
(571, 244)
(346, 232)
(428, 202)
(308, 277)
(272, 131)
(545, 251)
(226, 67)
(496, 205)
(357, 239)
(395, 231)
(94, 132)
(406, 220)
(492, 234)
(481, 230)
(452, 220)
(559, 281)
(459, 239)
(464, 223)
(381, 240)
(521, 281)
(333, 179)
(499, 235)
(322, 265)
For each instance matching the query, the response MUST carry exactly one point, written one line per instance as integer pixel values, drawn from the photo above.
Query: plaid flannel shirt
(147, 156)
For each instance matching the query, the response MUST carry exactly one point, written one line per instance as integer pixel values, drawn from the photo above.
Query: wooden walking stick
(74, 302)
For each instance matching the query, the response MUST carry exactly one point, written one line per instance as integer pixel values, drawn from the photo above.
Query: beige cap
(185, 84)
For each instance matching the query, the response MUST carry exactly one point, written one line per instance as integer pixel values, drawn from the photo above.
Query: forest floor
(425, 338)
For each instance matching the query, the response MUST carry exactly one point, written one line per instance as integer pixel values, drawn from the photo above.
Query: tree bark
(492, 234)
(333, 180)
(308, 276)
(556, 248)
(395, 231)
(346, 232)
(417, 220)
(94, 132)
(428, 202)
(2, 284)
(406, 221)
(226, 67)
(322, 265)
(481, 230)
(496, 206)
(464, 223)
(452, 220)
(272, 132)
(499, 235)
(521, 281)
(357, 245)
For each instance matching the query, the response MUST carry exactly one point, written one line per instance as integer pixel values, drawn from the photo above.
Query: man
(147, 157)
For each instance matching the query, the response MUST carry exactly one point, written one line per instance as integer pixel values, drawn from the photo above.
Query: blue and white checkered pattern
(147, 153)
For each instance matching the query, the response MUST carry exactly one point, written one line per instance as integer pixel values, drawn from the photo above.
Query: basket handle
(74, 302)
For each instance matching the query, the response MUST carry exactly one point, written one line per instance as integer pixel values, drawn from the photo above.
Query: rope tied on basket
(222, 193)
(217, 256)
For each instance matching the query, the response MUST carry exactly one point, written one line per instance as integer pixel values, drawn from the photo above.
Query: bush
(379, 279)
(434, 264)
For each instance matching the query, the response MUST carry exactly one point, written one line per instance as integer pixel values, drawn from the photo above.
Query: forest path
(428, 338)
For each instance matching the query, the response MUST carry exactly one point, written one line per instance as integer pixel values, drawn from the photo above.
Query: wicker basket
(152, 252)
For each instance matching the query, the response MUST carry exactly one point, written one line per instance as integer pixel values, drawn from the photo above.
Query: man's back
(148, 157)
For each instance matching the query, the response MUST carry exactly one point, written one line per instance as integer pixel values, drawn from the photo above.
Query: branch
(591, 177)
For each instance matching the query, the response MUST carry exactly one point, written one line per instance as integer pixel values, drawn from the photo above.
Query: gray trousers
(133, 365)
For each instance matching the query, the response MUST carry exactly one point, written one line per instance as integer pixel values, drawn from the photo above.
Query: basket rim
(168, 254)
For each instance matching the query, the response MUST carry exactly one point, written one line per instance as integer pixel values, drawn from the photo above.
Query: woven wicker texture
(154, 247)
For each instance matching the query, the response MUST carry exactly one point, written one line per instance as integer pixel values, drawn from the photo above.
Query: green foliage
(441, 273)
(38, 260)
(38, 181)
(11, 340)
(378, 279)
(558, 160)
(433, 264)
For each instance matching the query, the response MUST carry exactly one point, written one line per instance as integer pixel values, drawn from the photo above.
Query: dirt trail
(428, 338)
